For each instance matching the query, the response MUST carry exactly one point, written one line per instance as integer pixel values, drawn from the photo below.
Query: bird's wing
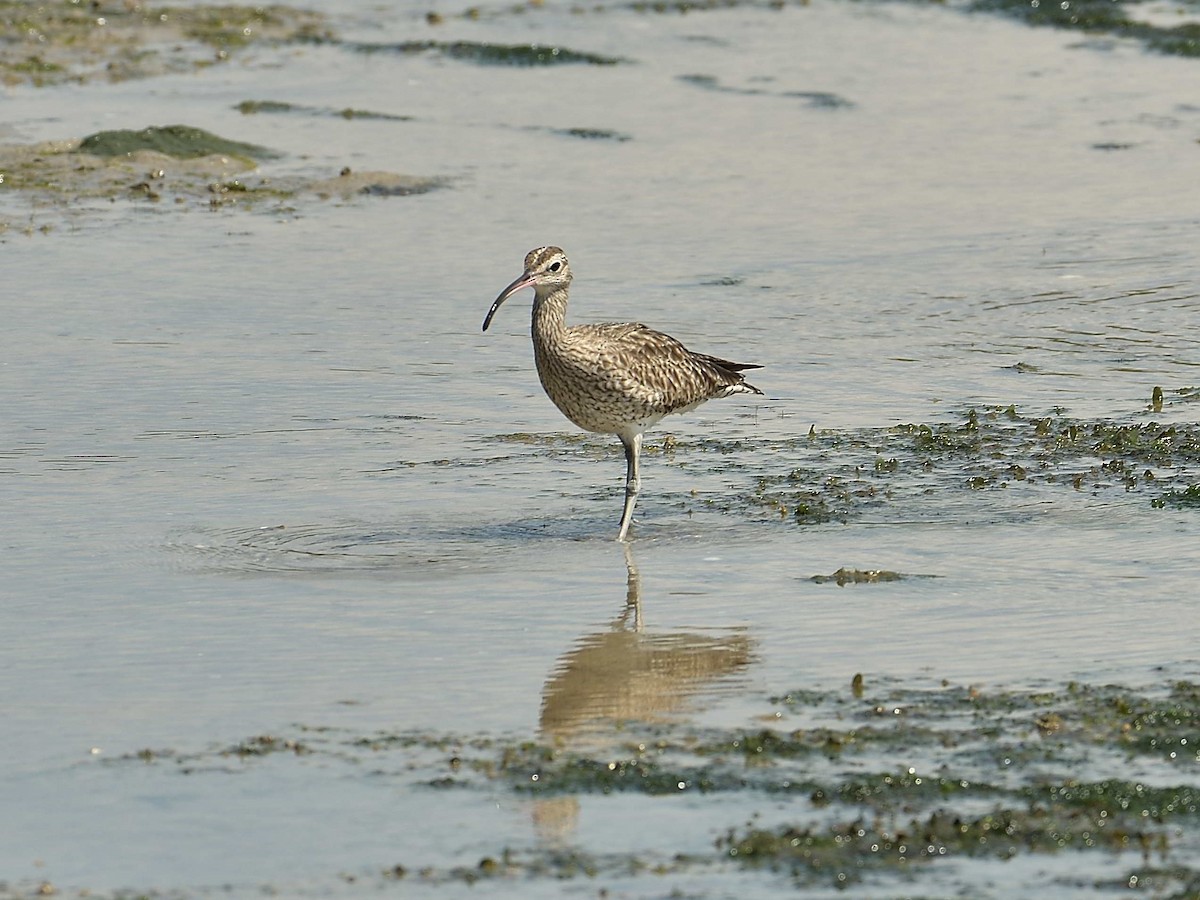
(651, 361)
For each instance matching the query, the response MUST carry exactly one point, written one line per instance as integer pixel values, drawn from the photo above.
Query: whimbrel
(616, 377)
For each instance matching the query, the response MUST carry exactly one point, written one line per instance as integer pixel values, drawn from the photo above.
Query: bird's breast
(595, 394)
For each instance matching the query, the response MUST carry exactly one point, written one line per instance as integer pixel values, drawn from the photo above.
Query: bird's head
(546, 271)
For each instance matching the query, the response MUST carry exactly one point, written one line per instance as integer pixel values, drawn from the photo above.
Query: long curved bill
(523, 282)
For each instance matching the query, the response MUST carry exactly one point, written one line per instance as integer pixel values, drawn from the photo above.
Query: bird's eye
(555, 266)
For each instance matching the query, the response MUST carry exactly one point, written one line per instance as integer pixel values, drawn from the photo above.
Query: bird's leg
(633, 480)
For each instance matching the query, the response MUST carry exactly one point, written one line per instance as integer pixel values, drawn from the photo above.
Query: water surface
(261, 469)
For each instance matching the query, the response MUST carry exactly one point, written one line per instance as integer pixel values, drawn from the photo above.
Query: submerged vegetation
(185, 165)
(255, 107)
(1115, 20)
(912, 470)
(1099, 17)
(68, 41)
(882, 781)
(65, 41)
(178, 141)
(491, 54)
(845, 474)
(816, 99)
(71, 41)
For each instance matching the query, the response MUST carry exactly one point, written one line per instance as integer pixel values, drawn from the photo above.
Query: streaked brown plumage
(614, 378)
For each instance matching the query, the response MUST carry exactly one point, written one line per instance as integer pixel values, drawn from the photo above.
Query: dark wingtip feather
(727, 364)
(733, 370)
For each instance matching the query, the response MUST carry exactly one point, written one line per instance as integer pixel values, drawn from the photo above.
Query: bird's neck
(550, 316)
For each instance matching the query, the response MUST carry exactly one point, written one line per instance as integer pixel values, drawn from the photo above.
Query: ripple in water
(320, 549)
(411, 550)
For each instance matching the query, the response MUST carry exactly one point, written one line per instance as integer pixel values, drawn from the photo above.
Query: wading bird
(614, 378)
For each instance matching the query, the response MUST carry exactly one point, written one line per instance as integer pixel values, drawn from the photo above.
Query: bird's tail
(738, 383)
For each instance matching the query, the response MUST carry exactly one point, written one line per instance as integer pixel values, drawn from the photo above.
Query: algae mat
(181, 164)
(65, 42)
(879, 788)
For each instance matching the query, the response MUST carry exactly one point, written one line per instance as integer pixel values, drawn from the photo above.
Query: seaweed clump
(178, 141)
(895, 470)
(489, 54)
(1098, 17)
(53, 43)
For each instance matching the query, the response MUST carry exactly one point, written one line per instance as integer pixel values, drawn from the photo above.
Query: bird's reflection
(623, 674)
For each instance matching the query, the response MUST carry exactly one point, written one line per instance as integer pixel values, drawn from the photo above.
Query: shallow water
(261, 468)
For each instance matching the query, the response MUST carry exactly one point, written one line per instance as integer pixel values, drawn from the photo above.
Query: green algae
(232, 26)
(572, 774)
(909, 471)
(489, 54)
(265, 744)
(844, 576)
(594, 134)
(850, 473)
(1086, 16)
(972, 728)
(59, 172)
(809, 496)
(177, 141)
(847, 850)
(186, 166)
(1098, 17)
(270, 107)
(1007, 774)
(816, 99)
(1008, 783)
(1167, 728)
(767, 747)
(72, 42)
(254, 107)
(53, 43)
(929, 817)
(1188, 497)
(400, 186)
